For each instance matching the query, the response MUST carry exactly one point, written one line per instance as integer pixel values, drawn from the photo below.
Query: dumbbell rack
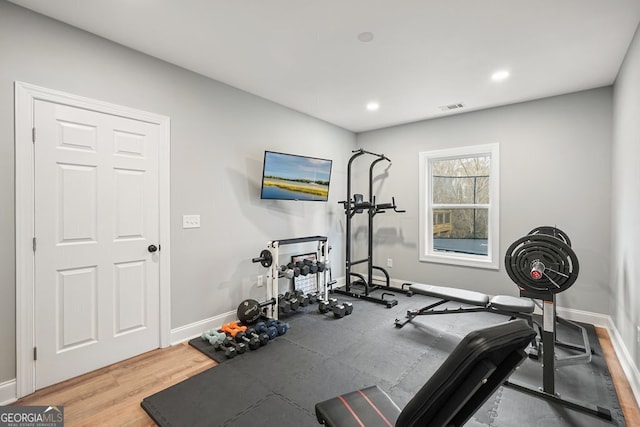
(273, 273)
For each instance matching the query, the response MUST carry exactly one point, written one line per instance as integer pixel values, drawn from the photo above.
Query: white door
(96, 215)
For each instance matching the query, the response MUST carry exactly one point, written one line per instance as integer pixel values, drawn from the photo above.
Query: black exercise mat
(206, 348)
(321, 357)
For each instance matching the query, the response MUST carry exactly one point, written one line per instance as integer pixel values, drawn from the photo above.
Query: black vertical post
(348, 209)
(372, 213)
(548, 344)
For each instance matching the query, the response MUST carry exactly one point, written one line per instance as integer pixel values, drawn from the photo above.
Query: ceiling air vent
(451, 107)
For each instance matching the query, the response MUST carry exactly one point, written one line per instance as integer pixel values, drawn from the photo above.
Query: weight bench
(479, 364)
(514, 307)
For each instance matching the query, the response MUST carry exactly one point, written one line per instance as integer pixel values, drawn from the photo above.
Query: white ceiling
(305, 54)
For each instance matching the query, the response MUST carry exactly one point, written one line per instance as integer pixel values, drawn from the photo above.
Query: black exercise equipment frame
(549, 362)
(548, 245)
(351, 208)
(430, 310)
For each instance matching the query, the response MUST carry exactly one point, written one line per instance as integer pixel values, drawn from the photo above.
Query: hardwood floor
(623, 388)
(111, 396)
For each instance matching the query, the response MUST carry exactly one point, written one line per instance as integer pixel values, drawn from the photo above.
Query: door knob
(152, 248)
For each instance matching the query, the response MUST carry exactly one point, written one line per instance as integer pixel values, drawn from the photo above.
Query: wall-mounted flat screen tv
(293, 177)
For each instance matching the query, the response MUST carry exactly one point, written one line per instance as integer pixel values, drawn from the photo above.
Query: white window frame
(427, 253)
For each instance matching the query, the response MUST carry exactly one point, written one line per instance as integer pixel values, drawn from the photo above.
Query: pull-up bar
(360, 152)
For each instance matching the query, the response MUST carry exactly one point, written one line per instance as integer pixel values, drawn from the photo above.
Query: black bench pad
(454, 294)
(369, 406)
(498, 302)
(513, 304)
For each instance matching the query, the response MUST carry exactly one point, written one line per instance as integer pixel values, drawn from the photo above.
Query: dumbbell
(281, 327)
(286, 272)
(263, 338)
(232, 329)
(229, 351)
(312, 264)
(304, 268)
(302, 298)
(326, 306)
(313, 297)
(252, 342)
(239, 346)
(209, 336)
(295, 268)
(341, 310)
(271, 331)
(284, 306)
(217, 340)
(322, 266)
(220, 342)
(294, 303)
(348, 308)
(237, 332)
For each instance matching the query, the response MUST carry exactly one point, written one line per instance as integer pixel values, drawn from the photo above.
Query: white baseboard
(187, 332)
(596, 319)
(8, 392)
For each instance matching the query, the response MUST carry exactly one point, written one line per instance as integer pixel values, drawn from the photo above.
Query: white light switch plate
(190, 221)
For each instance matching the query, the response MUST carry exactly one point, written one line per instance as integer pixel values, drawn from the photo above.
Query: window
(459, 206)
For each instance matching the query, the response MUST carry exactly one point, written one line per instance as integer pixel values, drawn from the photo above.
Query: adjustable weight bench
(479, 364)
(514, 307)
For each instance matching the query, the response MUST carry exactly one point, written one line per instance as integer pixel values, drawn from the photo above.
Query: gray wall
(625, 268)
(558, 148)
(218, 137)
(555, 170)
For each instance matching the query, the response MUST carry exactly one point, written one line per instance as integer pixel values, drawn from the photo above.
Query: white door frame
(25, 96)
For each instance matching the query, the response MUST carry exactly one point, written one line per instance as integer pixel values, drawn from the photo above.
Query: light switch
(190, 221)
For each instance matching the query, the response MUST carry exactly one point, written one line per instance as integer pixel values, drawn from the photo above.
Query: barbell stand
(549, 364)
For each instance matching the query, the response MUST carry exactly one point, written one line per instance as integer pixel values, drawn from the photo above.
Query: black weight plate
(551, 231)
(560, 263)
(267, 259)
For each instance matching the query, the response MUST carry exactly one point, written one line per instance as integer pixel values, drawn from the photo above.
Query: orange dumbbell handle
(233, 329)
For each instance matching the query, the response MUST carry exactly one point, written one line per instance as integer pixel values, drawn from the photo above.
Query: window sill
(462, 260)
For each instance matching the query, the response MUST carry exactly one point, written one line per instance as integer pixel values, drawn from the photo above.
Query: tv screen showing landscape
(293, 177)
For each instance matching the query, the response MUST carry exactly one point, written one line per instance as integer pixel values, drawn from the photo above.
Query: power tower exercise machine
(355, 204)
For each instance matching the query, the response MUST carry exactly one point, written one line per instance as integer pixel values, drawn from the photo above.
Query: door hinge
(35, 353)
(33, 135)
(34, 244)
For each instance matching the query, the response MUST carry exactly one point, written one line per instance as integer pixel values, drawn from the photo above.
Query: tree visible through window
(459, 205)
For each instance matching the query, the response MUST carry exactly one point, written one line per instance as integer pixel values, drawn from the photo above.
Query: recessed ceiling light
(499, 75)
(365, 37)
(373, 106)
